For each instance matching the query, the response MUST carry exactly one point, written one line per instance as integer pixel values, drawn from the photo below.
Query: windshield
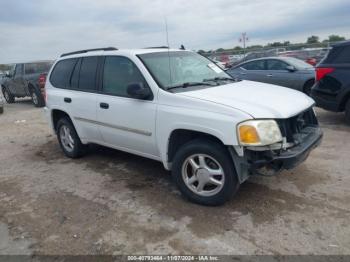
(176, 68)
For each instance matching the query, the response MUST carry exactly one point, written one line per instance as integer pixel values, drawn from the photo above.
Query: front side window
(176, 68)
(119, 72)
(274, 64)
(254, 65)
(19, 70)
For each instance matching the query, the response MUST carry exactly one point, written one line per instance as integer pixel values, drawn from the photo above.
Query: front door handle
(243, 73)
(67, 99)
(104, 105)
(269, 75)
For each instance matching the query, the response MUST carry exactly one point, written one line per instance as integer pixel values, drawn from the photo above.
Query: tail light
(42, 81)
(321, 72)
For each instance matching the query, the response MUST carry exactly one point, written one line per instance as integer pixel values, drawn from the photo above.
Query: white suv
(179, 108)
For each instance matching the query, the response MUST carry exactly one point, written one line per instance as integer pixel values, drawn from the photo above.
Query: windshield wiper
(187, 84)
(219, 79)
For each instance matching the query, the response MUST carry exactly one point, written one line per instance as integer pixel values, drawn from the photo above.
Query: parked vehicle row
(179, 108)
(26, 79)
(283, 71)
(332, 88)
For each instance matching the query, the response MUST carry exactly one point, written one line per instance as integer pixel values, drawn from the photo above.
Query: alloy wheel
(203, 175)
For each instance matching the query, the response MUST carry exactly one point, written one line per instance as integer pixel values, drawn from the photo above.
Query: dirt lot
(111, 202)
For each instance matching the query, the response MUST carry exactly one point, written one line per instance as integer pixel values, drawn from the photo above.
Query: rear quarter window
(60, 76)
(37, 68)
(339, 55)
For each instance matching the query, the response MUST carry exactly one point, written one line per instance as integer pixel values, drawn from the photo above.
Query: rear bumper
(287, 159)
(324, 102)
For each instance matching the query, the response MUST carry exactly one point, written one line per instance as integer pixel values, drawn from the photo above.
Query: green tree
(201, 51)
(335, 38)
(313, 40)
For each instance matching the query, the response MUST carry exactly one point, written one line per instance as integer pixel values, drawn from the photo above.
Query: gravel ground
(110, 202)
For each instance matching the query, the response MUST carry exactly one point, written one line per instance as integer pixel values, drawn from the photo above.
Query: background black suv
(332, 88)
(27, 79)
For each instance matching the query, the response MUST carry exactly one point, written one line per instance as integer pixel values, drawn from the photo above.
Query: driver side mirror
(138, 91)
(291, 68)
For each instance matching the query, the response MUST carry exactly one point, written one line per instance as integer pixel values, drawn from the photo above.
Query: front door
(124, 122)
(17, 84)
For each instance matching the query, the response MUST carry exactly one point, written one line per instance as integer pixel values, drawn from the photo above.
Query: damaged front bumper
(270, 162)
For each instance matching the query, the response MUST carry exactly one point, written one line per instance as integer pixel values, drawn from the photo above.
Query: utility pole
(244, 39)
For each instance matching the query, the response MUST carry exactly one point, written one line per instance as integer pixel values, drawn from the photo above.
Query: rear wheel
(37, 98)
(8, 96)
(69, 139)
(204, 173)
(347, 111)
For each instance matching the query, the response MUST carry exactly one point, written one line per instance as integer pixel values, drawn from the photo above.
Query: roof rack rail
(156, 47)
(90, 50)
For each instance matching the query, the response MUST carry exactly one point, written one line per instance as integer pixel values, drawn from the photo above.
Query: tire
(347, 112)
(216, 157)
(37, 98)
(68, 139)
(307, 87)
(10, 99)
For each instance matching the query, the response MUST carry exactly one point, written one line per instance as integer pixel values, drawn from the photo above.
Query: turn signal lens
(259, 132)
(248, 135)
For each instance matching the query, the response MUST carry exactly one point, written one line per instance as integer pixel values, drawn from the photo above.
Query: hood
(256, 99)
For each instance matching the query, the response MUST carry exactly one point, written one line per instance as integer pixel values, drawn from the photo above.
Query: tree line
(311, 41)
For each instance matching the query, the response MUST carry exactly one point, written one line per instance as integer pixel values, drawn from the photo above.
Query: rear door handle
(104, 105)
(67, 99)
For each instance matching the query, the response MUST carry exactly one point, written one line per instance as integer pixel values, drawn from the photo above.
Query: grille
(296, 124)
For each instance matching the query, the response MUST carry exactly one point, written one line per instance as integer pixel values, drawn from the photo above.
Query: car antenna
(167, 42)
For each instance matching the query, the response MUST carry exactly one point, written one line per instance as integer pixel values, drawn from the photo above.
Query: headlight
(258, 133)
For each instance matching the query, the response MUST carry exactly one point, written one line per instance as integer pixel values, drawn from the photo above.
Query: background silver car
(283, 71)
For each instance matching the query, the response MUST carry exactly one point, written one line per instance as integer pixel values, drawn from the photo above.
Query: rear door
(77, 82)
(125, 123)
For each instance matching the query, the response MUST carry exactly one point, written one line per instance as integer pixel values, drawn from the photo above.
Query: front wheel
(204, 172)
(8, 96)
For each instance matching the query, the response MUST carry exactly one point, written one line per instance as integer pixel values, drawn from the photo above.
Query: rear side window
(60, 76)
(255, 65)
(118, 73)
(339, 55)
(87, 77)
(37, 68)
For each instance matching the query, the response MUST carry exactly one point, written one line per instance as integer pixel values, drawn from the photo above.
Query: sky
(44, 29)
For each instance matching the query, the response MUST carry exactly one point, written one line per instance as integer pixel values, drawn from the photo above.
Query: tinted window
(19, 70)
(118, 73)
(255, 65)
(74, 81)
(340, 55)
(88, 68)
(62, 72)
(276, 65)
(37, 68)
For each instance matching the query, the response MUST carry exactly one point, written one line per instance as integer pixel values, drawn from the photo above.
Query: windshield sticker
(215, 68)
